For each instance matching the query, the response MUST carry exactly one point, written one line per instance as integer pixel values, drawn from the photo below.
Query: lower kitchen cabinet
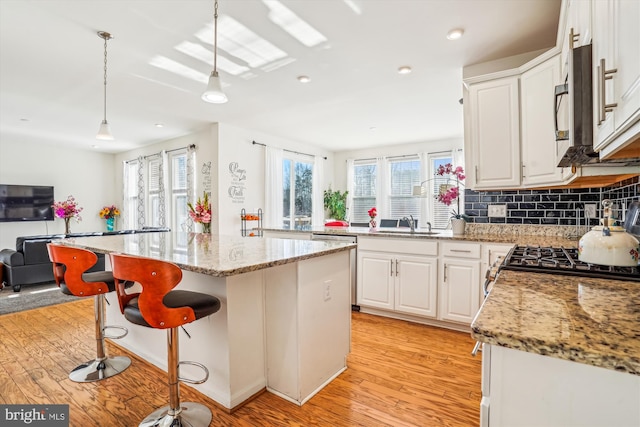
(459, 283)
(521, 389)
(403, 280)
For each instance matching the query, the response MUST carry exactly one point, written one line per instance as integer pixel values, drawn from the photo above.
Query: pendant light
(214, 93)
(105, 130)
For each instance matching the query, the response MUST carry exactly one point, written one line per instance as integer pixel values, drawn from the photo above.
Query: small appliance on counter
(609, 244)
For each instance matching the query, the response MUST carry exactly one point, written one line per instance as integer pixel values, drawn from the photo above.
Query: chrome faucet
(411, 221)
(429, 225)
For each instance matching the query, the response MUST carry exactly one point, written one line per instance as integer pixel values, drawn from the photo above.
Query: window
(439, 213)
(403, 175)
(364, 191)
(297, 197)
(155, 190)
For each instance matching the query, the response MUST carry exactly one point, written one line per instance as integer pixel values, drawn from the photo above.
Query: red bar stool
(69, 267)
(158, 306)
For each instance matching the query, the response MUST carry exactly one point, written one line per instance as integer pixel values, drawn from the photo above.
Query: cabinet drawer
(402, 246)
(460, 250)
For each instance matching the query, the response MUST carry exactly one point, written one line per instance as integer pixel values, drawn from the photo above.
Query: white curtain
(318, 191)
(141, 214)
(382, 188)
(191, 183)
(424, 176)
(127, 221)
(350, 188)
(162, 191)
(273, 187)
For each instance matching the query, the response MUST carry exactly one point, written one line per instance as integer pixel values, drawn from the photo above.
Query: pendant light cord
(215, 37)
(105, 79)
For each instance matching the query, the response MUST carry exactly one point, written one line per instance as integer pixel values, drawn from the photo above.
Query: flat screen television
(26, 203)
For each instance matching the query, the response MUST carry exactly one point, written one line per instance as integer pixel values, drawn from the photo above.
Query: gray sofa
(29, 263)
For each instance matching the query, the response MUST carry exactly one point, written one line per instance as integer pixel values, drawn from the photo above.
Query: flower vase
(458, 225)
(67, 226)
(206, 227)
(111, 224)
(373, 224)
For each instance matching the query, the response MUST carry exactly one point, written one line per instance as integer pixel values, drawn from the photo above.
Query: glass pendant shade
(214, 93)
(105, 132)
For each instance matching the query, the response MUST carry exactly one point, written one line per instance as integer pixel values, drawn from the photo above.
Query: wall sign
(238, 182)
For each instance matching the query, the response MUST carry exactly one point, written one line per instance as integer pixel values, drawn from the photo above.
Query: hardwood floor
(399, 374)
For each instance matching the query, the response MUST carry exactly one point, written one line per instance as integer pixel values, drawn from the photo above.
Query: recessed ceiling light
(373, 128)
(24, 119)
(405, 69)
(159, 125)
(455, 34)
(94, 146)
(304, 79)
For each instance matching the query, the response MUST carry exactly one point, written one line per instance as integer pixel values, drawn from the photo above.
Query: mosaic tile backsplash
(550, 207)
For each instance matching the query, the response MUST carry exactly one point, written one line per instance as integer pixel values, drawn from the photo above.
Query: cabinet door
(539, 148)
(494, 136)
(615, 40)
(459, 293)
(375, 280)
(416, 285)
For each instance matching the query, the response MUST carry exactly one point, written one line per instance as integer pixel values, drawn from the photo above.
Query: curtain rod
(407, 155)
(290, 151)
(192, 146)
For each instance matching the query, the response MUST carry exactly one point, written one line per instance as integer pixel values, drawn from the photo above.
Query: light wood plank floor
(399, 374)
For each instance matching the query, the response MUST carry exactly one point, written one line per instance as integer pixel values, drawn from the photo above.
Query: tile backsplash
(549, 207)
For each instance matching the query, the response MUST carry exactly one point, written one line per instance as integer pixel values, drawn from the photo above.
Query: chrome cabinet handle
(391, 261)
(604, 76)
(396, 267)
(445, 273)
(466, 251)
(476, 174)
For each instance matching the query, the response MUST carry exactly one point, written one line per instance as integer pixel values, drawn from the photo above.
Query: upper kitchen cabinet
(540, 151)
(510, 135)
(492, 140)
(577, 30)
(616, 76)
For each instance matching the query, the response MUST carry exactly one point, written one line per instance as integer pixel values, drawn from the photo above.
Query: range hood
(576, 96)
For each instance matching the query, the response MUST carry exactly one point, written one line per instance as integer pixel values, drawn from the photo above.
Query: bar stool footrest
(115, 337)
(190, 414)
(199, 365)
(99, 369)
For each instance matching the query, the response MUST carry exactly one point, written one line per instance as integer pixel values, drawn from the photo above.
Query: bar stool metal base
(99, 369)
(191, 415)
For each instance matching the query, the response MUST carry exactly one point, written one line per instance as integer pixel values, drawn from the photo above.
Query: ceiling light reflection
(298, 28)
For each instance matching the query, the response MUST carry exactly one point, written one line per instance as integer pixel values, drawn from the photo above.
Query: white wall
(87, 175)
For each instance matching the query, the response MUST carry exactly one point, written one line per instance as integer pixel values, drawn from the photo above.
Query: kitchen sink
(407, 231)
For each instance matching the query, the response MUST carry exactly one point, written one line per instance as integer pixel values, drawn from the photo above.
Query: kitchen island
(560, 350)
(284, 324)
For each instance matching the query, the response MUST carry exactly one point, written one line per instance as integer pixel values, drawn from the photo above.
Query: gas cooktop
(563, 261)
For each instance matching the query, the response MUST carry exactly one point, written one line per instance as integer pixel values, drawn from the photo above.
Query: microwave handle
(560, 91)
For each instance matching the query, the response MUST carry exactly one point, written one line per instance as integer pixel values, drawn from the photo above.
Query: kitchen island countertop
(586, 320)
(210, 254)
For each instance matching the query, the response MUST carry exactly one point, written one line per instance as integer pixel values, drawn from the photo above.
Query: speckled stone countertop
(215, 255)
(591, 321)
(487, 233)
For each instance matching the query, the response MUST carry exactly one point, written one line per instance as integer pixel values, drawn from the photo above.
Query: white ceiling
(51, 68)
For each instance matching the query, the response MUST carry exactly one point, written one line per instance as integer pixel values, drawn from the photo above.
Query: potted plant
(336, 203)
(451, 192)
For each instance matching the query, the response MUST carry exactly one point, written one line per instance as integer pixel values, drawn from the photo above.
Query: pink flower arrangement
(67, 209)
(202, 211)
(373, 212)
(450, 193)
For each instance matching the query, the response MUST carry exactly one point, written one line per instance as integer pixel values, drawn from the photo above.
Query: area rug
(28, 299)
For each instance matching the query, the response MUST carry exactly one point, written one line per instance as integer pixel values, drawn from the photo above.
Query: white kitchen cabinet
(459, 282)
(616, 74)
(398, 275)
(577, 30)
(540, 151)
(296, 235)
(493, 140)
(526, 389)
(490, 253)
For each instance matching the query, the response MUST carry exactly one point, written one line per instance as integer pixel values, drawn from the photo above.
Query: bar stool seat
(158, 306)
(69, 270)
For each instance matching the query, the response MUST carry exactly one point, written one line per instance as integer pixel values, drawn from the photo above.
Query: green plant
(336, 203)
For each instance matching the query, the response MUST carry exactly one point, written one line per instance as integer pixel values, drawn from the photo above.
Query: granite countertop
(585, 320)
(485, 233)
(215, 255)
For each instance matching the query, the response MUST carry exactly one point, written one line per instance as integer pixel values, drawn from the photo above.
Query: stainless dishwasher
(352, 257)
